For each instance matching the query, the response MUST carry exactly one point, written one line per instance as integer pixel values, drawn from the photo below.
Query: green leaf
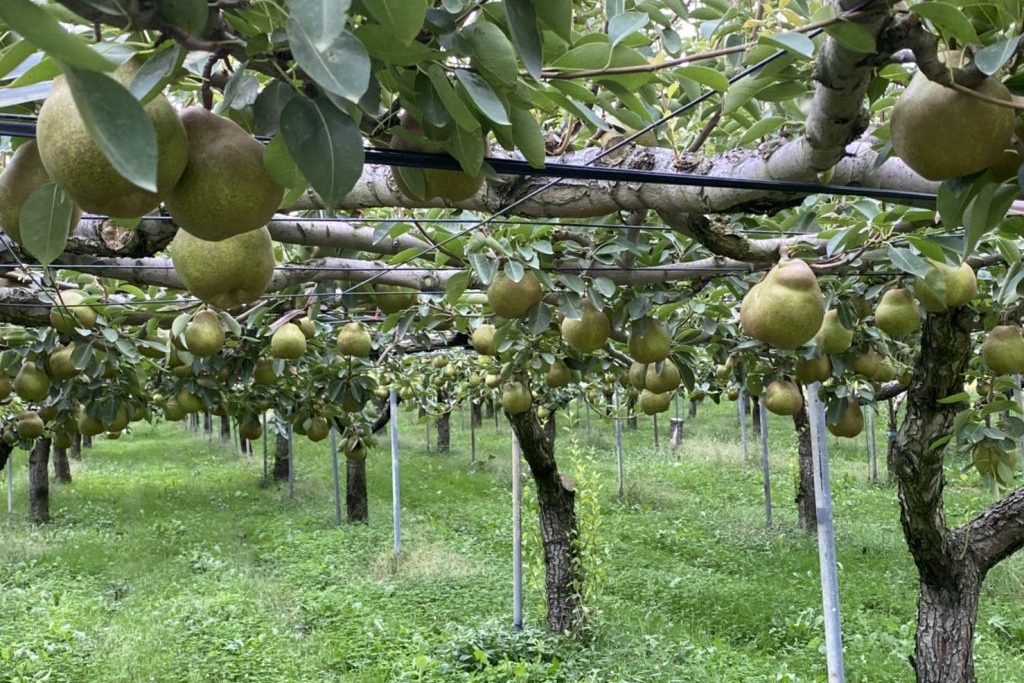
(621, 26)
(556, 15)
(452, 103)
(156, 72)
(279, 164)
(948, 19)
(118, 124)
(976, 217)
(455, 286)
(955, 398)
(343, 68)
(381, 45)
(403, 18)
(522, 22)
(14, 55)
(712, 78)
(909, 262)
(927, 247)
(539, 319)
(321, 20)
(484, 97)
(991, 58)
(528, 136)
(853, 37)
(468, 147)
(761, 128)
(491, 52)
(37, 26)
(325, 144)
(797, 43)
(44, 222)
(268, 107)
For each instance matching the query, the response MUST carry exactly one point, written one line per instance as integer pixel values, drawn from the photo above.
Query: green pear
(204, 335)
(172, 411)
(75, 161)
(783, 397)
(31, 384)
(896, 314)
(318, 429)
(832, 337)
(960, 286)
(662, 377)
(89, 425)
(29, 425)
(190, 402)
(354, 340)
(589, 332)
(428, 183)
(558, 375)
(873, 365)
(264, 374)
(288, 342)
(5, 387)
(809, 371)
(483, 340)
(786, 308)
(68, 312)
(225, 190)
(228, 273)
(1003, 350)
(60, 365)
(510, 299)
(250, 431)
(649, 341)
(651, 403)
(392, 298)
(492, 381)
(637, 375)
(515, 398)
(851, 422)
(22, 176)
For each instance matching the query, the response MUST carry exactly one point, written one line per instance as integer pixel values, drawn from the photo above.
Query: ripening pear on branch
(263, 374)
(428, 183)
(31, 383)
(589, 332)
(558, 375)
(392, 298)
(661, 377)
(204, 336)
(960, 286)
(22, 176)
(833, 337)
(873, 365)
(225, 189)
(818, 369)
(649, 341)
(60, 365)
(783, 397)
(354, 340)
(76, 163)
(68, 312)
(1003, 350)
(483, 340)
(652, 403)
(510, 299)
(29, 425)
(851, 422)
(288, 342)
(515, 398)
(637, 375)
(786, 308)
(227, 273)
(896, 314)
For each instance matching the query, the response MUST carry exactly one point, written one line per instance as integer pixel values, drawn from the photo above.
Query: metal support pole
(1018, 396)
(337, 476)
(472, 436)
(872, 451)
(618, 444)
(291, 463)
(588, 423)
(265, 446)
(765, 464)
(655, 431)
(10, 484)
(679, 413)
(396, 506)
(826, 539)
(517, 536)
(742, 403)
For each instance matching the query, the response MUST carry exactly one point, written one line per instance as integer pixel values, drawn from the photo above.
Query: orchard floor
(168, 560)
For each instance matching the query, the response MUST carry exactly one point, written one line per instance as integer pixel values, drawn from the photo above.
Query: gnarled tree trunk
(61, 466)
(444, 432)
(556, 499)
(225, 429)
(281, 457)
(39, 482)
(76, 446)
(806, 517)
(355, 491)
(475, 414)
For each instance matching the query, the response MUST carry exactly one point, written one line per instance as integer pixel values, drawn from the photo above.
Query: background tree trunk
(693, 409)
(86, 442)
(39, 482)
(76, 446)
(556, 498)
(5, 454)
(225, 429)
(489, 406)
(755, 414)
(806, 516)
(61, 466)
(208, 424)
(444, 432)
(475, 413)
(281, 457)
(355, 491)
(631, 421)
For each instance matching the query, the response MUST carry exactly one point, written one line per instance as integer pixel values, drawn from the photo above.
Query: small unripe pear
(288, 342)
(558, 375)
(1003, 350)
(896, 314)
(483, 340)
(492, 381)
(588, 333)
(354, 340)
(832, 337)
(204, 335)
(648, 341)
(782, 397)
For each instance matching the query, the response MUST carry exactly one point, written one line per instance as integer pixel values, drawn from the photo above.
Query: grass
(168, 560)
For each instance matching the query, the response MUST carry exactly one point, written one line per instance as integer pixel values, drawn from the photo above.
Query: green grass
(168, 560)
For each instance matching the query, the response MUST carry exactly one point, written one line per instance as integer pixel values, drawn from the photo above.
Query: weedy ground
(169, 560)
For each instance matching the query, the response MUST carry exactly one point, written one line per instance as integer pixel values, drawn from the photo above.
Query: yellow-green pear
(661, 377)
(224, 274)
(29, 425)
(637, 375)
(5, 387)
(172, 411)
(68, 312)
(558, 375)
(89, 425)
(809, 371)
(510, 299)
(896, 314)
(851, 422)
(225, 190)
(651, 403)
(515, 398)
(649, 341)
(250, 430)
(492, 381)
(832, 337)
(75, 161)
(786, 308)
(427, 183)
(204, 336)
(307, 326)
(22, 176)
(783, 397)
(354, 340)
(119, 421)
(392, 298)
(60, 365)
(189, 402)
(589, 332)
(263, 373)
(960, 286)
(873, 365)
(288, 342)
(318, 429)
(31, 383)
(1003, 350)
(483, 340)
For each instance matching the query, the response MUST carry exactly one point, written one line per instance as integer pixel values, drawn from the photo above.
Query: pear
(941, 133)
(49, 413)
(22, 176)
(60, 365)
(250, 431)
(354, 340)
(173, 411)
(648, 341)
(558, 375)
(483, 340)
(783, 397)
(896, 314)
(510, 299)
(307, 326)
(452, 186)
(204, 335)
(732, 393)
(786, 308)
(515, 398)
(832, 337)
(318, 429)
(1003, 350)
(809, 371)
(88, 425)
(543, 413)
(227, 273)
(355, 453)
(851, 423)
(62, 440)
(189, 402)
(29, 425)
(263, 373)
(288, 342)
(988, 455)
(492, 381)
(119, 421)
(392, 299)
(873, 365)
(588, 333)
(699, 395)
(68, 312)
(961, 285)
(76, 163)
(651, 403)
(637, 375)
(31, 384)
(5, 387)
(225, 190)
(662, 377)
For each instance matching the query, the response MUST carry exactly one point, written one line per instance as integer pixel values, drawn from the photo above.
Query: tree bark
(444, 432)
(489, 407)
(225, 429)
(755, 415)
(208, 424)
(86, 442)
(76, 446)
(355, 491)
(281, 457)
(551, 429)
(61, 466)
(946, 616)
(693, 409)
(475, 413)
(631, 419)
(807, 518)
(556, 497)
(39, 482)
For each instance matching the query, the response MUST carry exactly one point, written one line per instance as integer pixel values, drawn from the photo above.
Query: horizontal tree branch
(997, 532)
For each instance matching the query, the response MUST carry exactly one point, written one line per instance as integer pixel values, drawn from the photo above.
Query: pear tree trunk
(444, 432)
(61, 466)
(280, 472)
(356, 504)
(76, 446)
(39, 482)
(807, 518)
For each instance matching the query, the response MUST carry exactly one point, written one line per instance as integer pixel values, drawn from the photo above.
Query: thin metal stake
(826, 539)
(472, 436)
(742, 403)
(337, 476)
(1018, 395)
(10, 483)
(291, 463)
(265, 473)
(517, 536)
(872, 451)
(765, 464)
(618, 445)
(588, 423)
(396, 507)
(655, 431)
